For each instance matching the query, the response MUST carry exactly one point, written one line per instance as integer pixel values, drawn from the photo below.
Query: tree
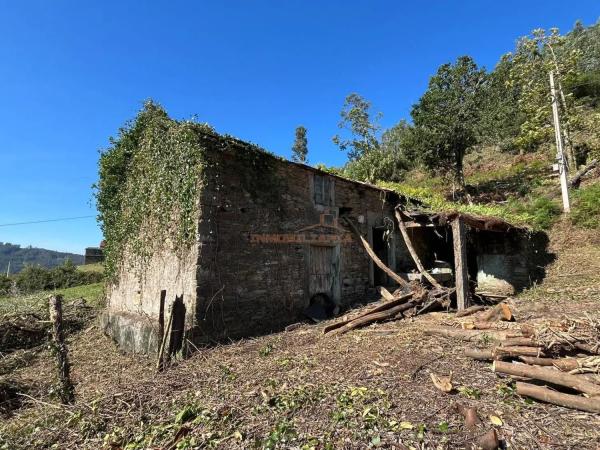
(356, 118)
(446, 117)
(300, 147)
(530, 64)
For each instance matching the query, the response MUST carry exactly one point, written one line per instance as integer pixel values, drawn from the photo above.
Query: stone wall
(133, 306)
(247, 287)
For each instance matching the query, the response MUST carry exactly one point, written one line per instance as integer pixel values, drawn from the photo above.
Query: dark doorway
(381, 250)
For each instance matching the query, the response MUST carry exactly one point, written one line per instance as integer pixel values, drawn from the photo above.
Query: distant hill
(20, 256)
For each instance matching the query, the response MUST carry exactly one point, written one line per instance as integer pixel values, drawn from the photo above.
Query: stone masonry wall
(247, 288)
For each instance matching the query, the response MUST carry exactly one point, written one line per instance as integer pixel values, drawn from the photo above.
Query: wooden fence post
(461, 275)
(67, 393)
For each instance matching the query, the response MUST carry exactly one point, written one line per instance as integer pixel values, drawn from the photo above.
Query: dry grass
(303, 389)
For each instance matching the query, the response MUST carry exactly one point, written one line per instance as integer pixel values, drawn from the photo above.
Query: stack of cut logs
(535, 356)
(392, 306)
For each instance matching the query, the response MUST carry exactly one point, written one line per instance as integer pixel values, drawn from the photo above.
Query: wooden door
(324, 271)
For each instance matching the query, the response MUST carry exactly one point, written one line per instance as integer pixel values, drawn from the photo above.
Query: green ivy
(148, 189)
(150, 183)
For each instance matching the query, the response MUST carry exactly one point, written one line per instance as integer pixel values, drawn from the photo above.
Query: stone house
(270, 242)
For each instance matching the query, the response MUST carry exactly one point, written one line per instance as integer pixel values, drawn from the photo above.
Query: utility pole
(560, 156)
(8, 269)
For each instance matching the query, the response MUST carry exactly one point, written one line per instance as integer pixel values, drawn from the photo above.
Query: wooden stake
(67, 392)
(459, 238)
(393, 275)
(160, 360)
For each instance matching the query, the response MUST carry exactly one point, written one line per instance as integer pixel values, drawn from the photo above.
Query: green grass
(98, 267)
(435, 201)
(92, 293)
(586, 207)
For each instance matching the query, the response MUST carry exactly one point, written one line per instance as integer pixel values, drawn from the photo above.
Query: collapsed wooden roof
(417, 218)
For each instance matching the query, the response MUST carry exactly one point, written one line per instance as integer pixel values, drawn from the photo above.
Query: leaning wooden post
(67, 393)
(459, 237)
(413, 253)
(393, 275)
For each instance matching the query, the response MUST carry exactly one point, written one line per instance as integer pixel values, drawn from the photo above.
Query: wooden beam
(459, 237)
(393, 275)
(413, 253)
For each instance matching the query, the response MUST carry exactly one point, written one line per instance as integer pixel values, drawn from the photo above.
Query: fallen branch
(549, 375)
(413, 253)
(470, 310)
(558, 398)
(393, 275)
(371, 309)
(374, 317)
(576, 180)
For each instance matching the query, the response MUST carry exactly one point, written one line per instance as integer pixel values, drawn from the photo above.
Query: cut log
(501, 352)
(511, 352)
(549, 375)
(477, 326)
(470, 310)
(413, 253)
(593, 350)
(371, 309)
(558, 398)
(519, 341)
(480, 354)
(564, 364)
(393, 275)
(499, 312)
(374, 317)
(387, 295)
(576, 180)
(461, 273)
(467, 335)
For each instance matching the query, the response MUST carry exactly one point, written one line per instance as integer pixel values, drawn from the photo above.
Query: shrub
(5, 285)
(37, 278)
(541, 211)
(586, 207)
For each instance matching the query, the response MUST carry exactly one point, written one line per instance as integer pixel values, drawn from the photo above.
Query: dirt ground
(369, 388)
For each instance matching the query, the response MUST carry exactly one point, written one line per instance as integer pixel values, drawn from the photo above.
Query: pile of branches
(557, 363)
(23, 330)
(393, 306)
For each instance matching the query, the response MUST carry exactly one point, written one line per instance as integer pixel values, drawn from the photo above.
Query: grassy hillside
(20, 256)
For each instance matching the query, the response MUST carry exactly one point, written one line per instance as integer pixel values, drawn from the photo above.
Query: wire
(44, 221)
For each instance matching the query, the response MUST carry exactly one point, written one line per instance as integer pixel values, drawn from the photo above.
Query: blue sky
(72, 72)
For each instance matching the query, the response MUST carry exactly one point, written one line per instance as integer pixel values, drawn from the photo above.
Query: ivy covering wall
(150, 182)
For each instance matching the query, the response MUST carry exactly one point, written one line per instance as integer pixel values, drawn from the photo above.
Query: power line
(62, 219)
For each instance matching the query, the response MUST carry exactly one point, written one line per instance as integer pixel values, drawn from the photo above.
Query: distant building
(93, 255)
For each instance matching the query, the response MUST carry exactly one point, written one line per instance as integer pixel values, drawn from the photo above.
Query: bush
(377, 165)
(37, 278)
(542, 212)
(5, 285)
(586, 207)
